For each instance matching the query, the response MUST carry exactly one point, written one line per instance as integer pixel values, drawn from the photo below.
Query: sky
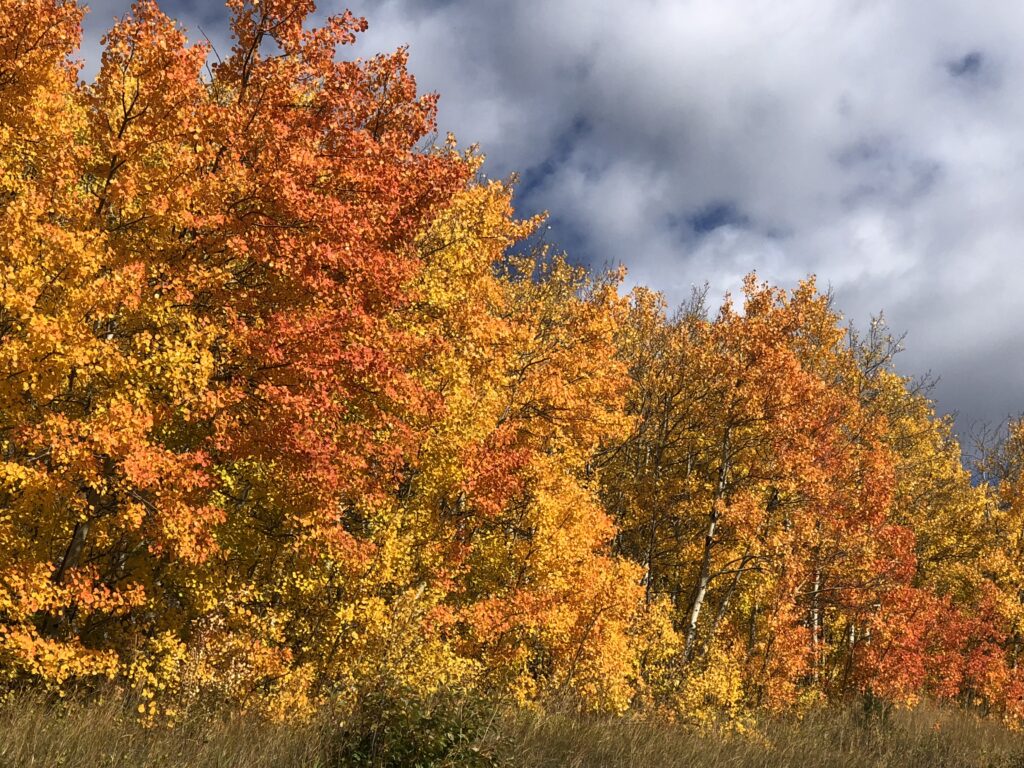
(877, 144)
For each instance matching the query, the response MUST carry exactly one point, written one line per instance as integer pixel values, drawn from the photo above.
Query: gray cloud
(876, 144)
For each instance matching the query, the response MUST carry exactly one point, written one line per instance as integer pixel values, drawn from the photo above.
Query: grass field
(34, 732)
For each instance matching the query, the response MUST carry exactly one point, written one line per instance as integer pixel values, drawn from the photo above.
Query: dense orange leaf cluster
(285, 418)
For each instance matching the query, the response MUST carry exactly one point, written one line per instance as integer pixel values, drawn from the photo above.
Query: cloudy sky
(878, 144)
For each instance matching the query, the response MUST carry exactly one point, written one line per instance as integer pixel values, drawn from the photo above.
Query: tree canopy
(294, 408)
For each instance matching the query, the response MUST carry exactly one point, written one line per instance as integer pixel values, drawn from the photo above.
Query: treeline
(287, 417)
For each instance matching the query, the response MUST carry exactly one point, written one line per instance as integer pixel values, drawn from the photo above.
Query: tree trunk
(704, 576)
(816, 624)
(73, 552)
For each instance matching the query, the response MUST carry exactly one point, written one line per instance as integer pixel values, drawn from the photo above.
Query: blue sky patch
(716, 215)
(968, 65)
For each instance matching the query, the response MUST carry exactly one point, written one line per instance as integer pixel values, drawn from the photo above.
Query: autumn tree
(504, 492)
(198, 276)
(765, 493)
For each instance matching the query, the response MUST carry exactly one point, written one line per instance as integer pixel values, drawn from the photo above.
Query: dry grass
(90, 733)
(925, 738)
(34, 732)
(78, 735)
